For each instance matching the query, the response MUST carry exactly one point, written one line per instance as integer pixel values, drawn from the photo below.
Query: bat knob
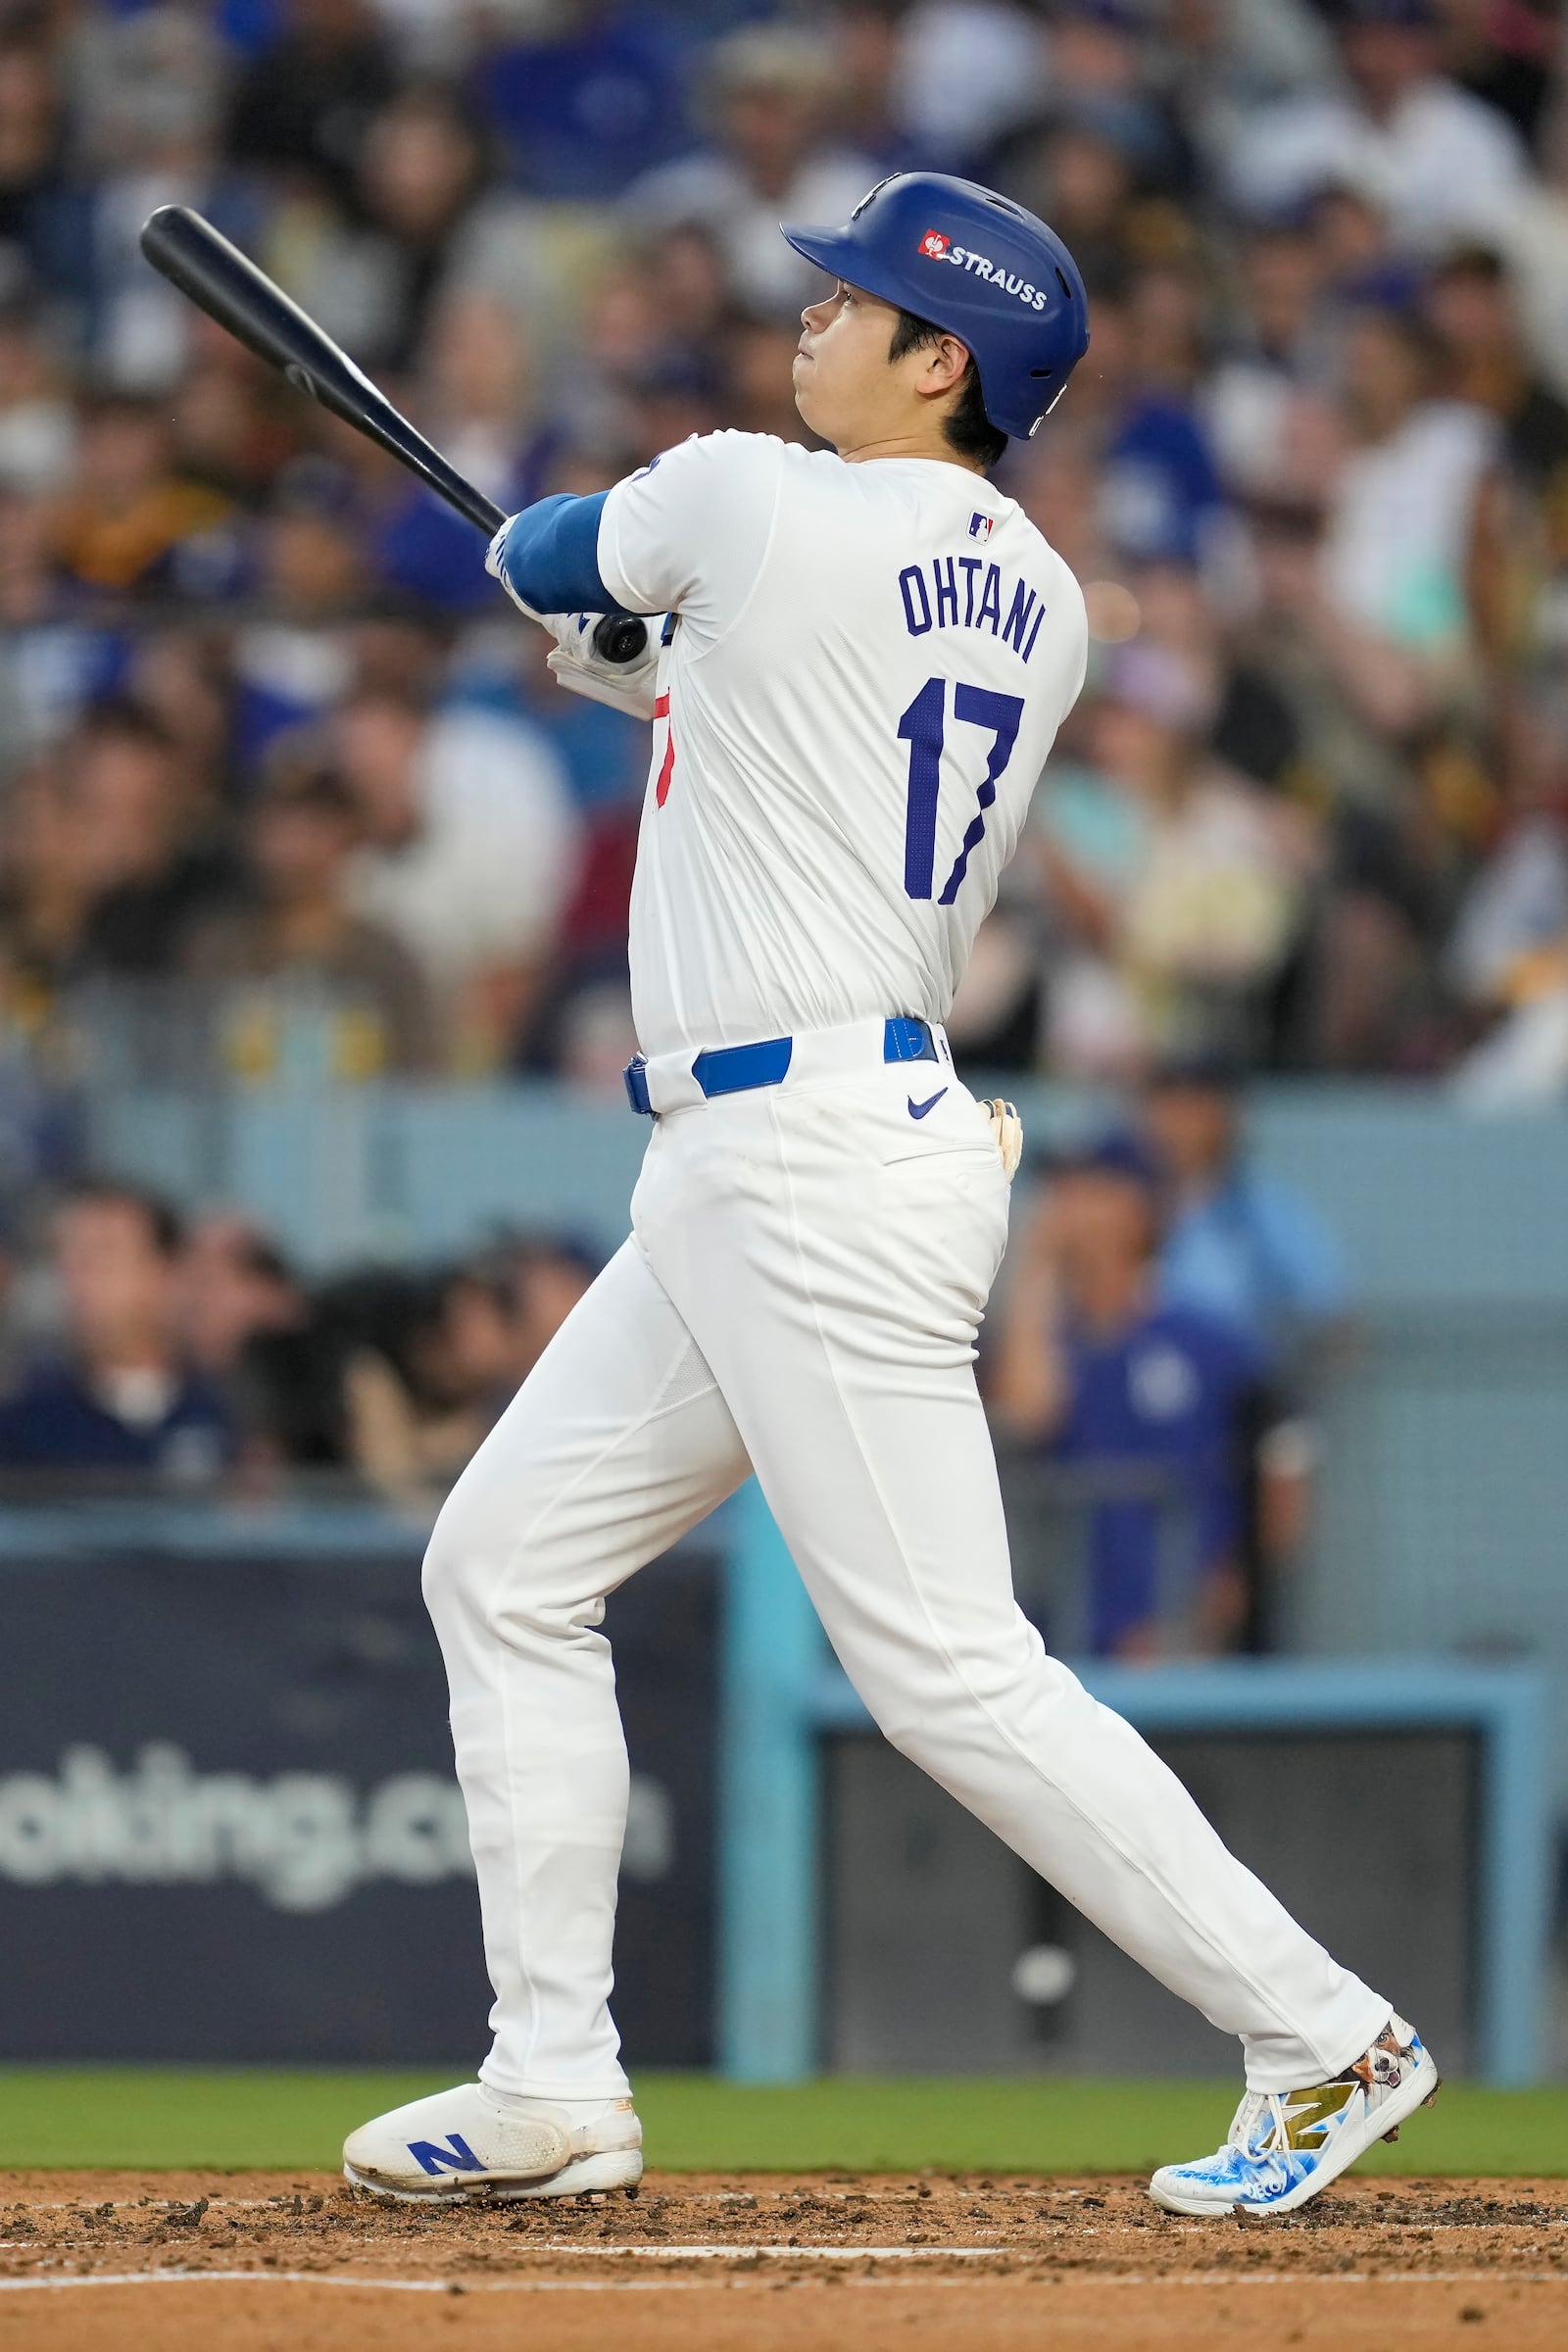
(620, 637)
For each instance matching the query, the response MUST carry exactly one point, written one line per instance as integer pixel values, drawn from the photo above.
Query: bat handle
(620, 637)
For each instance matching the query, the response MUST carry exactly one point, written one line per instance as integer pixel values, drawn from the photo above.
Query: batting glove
(622, 685)
(1007, 1132)
(582, 670)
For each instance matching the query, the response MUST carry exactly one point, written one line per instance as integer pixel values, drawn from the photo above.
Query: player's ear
(947, 364)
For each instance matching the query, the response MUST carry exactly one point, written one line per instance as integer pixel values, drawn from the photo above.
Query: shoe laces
(1254, 2107)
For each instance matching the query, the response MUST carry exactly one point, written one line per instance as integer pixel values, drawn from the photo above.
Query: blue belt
(736, 1069)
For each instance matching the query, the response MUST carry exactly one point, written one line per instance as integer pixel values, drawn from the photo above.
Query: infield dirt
(763, 2263)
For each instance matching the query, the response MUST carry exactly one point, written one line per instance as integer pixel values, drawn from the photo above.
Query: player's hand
(1006, 1132)
(582, 670)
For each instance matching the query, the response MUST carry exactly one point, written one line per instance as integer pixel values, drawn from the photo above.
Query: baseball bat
(218, 278)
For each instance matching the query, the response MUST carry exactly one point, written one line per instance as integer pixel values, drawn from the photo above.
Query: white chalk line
(1493, 2279)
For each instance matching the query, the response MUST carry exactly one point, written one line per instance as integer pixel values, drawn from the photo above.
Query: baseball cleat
(472, 2141)
(1284, 2146)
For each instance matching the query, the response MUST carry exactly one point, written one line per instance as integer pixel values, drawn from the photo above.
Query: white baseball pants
(809, 1267)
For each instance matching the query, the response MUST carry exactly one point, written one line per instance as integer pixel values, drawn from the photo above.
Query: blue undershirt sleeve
(550, 556)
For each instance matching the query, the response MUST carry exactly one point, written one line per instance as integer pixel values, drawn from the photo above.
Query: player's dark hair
(969, 430)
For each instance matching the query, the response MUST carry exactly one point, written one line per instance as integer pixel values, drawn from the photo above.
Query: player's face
(841, 361)
(848, 389)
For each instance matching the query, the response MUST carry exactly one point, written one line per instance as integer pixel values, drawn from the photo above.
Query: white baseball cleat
(1284, 2146)
(471, 2141)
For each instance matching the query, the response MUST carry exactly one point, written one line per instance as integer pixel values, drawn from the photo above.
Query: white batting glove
(621, 685)
(581, 670)
(1006, 1132)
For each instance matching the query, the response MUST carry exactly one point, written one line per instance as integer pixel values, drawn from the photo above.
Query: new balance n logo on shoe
(456, 2157)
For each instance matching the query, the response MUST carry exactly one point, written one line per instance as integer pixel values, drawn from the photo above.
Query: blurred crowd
(142, 1352)
(1150, 1370)
(1168, 1316)
(1166, 1309)
(286, 791)
(284, 786)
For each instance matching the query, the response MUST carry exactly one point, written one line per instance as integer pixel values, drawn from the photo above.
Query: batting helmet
(977, 265)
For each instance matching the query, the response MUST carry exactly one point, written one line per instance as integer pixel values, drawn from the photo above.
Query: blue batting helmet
(977, 265)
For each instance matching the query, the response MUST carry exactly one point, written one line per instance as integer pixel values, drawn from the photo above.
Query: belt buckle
(907, 1039)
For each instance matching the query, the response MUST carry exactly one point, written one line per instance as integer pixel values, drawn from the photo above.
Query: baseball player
(865, 660)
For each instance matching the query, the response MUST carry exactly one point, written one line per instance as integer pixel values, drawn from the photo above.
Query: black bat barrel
(220, 280)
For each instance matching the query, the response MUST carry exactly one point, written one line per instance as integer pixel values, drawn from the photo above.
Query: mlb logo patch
(981, 526)
(934, 245)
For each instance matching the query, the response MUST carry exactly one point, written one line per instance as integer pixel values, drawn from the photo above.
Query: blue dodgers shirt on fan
(1168, 1391)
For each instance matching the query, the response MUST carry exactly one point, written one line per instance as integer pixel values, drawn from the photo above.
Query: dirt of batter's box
(76, 2223)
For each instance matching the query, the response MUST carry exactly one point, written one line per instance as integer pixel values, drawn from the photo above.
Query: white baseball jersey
(869, 666)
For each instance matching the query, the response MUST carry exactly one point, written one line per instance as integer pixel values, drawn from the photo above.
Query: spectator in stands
(1519, 553)
(1161, 496)
(124, 1397)
(869, 50)
(588, 97)
(236, 1285)
(479, 406)
(1323, 711)
(1205, 893)
(41, 897)
(128, 521)
(1239, 1246)
(45, 233)
(542, 1276)
(145, 107)
(1404, 505)
(143, 861)
(1097, 1369)
(1100, 66)
(292, 659)
(427, 221)
(1471, 308)
(1531, 229)
(37, 423)
(291, 971)
(424, 1386)
(768, 95)
(968, 70)
(1443, 159)
(468, 851)
(1228, 60)
(1252, 397)
(1314, 404)
(108, 864)
(303, 106)
(421, 169)
(1508, 953)
(1076, 168)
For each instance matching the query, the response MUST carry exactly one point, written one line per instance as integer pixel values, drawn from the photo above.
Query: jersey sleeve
(690, 533)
